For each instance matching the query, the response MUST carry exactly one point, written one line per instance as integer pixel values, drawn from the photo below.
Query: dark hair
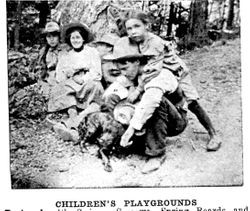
(130, 14)
(82, 33)
(136, 14)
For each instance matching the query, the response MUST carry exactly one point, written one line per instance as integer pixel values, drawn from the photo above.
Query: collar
(78, 49)
(57, 48)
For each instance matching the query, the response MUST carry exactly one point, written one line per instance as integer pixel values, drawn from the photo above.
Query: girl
(78, 75)
(140, 40)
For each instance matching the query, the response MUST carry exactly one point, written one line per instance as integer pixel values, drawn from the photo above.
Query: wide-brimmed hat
(51, 27)
(80, 26)
(123, 112)
(108, 39)
(124, 51)
(119, 56)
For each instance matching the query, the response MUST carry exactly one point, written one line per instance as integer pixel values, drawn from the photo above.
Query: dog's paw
(108, 167)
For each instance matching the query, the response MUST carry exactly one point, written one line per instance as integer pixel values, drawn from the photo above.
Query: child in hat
(48, 56)
(104, 46)
(78, 75)
(159, 110)
(140, 40)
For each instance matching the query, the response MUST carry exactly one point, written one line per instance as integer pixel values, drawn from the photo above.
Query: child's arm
(151, 99)
(134, 94)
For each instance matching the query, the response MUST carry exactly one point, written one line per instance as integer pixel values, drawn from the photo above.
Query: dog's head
(100, 127)
(111, 133)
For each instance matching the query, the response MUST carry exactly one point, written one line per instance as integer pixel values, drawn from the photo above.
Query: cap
(51, 27)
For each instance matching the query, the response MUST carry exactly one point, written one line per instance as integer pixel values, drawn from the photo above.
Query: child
(104, 46)
(140, 40)
(78, 76)
(48, 56)
(159, 109)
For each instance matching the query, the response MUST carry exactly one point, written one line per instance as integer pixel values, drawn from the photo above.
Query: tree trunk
(44, 11)
(172, 16)
(197, 31)
(230, 17)
(17, 25)
(101, 16)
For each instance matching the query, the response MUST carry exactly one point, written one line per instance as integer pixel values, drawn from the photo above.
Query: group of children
(138, 71)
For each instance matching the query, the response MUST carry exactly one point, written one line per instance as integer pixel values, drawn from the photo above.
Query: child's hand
(126, 137)
(111, 101)
(133, 96)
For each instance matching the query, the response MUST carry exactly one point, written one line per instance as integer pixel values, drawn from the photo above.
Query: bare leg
(214, 142)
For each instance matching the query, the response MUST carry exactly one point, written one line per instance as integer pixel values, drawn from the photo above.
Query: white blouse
(70, 62)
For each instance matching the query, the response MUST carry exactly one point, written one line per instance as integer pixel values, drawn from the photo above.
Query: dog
(102, 129)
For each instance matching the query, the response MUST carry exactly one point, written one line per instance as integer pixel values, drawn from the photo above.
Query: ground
(40, 159)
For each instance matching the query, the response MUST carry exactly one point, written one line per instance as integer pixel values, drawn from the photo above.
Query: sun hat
(123, 50)
(123, 112)
(80, 26)
(119, 56)
(51, 27)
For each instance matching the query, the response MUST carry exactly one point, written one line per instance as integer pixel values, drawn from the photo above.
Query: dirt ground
(40, 159)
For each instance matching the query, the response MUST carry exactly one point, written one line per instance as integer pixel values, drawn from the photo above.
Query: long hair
(131, 14)
(81, 32)
(137, 14)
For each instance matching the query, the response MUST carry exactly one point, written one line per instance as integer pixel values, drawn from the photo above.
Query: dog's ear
(120, 128)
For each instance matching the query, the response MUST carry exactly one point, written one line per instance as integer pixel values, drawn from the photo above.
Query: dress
(78, 76)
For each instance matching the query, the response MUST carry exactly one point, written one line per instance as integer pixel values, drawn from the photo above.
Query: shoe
(214, 144)
(153, 164)
(65, 133)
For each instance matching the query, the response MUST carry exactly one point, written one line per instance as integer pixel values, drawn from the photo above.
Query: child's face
(52, 39)
(76, 40)
(110, 71)
(129, 68)
(136, 29)
(103, 48)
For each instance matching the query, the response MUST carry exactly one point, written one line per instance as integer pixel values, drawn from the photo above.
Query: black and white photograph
(124, 94)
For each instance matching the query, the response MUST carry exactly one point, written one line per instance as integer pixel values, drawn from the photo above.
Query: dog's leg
(105, 160)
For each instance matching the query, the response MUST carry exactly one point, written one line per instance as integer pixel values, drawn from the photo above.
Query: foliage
(25, 98)
(30, 21)
(28, 103)
(20, 73)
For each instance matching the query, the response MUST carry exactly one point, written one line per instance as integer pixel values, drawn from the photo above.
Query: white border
(209, 197)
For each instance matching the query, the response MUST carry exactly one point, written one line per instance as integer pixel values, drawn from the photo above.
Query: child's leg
(202, 116)
(166, 121)
(192, 96)
(214, 142)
